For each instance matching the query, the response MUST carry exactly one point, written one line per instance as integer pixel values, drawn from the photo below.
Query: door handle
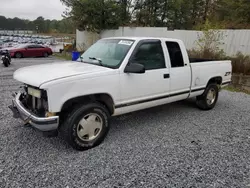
(165, 76)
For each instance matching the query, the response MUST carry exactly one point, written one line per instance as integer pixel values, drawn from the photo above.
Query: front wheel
(86, 126)
(18, 55)
(208, 99)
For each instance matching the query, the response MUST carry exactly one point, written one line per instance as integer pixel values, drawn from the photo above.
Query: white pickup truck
(113, 77)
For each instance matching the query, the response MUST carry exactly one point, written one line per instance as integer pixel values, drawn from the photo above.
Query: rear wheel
(18, 55)
(45, 54)
(86, 126)
(6, 63)
(209, 98)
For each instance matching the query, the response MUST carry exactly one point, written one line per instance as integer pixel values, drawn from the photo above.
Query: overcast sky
(31, 9)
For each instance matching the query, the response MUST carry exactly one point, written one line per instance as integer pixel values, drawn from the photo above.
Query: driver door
(138, 90)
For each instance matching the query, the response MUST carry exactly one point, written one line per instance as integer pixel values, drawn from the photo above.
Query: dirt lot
(174, 145)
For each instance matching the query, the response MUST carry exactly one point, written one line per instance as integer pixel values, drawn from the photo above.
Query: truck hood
(39, 74)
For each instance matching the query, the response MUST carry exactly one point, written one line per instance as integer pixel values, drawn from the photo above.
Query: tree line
(96, 15)
(39, 25)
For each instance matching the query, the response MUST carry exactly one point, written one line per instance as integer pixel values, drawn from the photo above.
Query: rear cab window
(175, 54)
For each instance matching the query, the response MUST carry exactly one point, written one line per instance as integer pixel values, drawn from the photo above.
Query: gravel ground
(174, 145)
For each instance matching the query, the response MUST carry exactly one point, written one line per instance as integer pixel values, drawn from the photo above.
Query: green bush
(207, 54)
(241, 64)
(208, 47)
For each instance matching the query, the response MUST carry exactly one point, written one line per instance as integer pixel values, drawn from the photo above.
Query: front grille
(38, 106)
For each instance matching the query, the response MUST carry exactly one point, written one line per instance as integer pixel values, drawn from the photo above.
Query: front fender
(60, 93)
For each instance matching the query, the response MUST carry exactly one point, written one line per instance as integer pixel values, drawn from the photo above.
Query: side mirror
(135, 68)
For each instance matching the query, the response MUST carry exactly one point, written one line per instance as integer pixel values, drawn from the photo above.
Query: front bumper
(42, 124)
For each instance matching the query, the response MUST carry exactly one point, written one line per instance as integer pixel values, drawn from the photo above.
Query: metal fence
(233, 41)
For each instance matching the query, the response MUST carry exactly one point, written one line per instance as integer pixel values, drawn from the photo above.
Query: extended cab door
(143, 90)
(180, 71)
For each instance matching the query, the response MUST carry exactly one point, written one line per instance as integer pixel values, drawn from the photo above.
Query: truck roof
(142, 38)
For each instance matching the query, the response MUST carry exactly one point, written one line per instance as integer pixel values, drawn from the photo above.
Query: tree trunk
(207, 3)
(154, 13)
(124, 11)
(163, 17)
(103, 15)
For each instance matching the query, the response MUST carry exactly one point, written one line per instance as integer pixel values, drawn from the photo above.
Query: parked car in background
(30, 50)
(1, 43)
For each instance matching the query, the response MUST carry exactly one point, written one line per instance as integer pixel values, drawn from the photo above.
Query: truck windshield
(107, 52)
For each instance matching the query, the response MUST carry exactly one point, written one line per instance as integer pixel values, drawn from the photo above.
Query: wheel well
(216, 80)
(19, 53)
(102, 98)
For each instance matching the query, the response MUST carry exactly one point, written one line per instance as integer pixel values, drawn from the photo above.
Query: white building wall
(234, 40)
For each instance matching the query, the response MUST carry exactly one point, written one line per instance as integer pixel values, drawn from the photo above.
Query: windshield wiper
(99, 60)
(94, 58)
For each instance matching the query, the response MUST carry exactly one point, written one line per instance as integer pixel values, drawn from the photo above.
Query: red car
(30, 50)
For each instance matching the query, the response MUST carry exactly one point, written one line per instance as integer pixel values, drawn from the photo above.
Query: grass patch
(234, 89)
(63, 55)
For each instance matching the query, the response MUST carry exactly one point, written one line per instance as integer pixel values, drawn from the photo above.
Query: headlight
(34, 92)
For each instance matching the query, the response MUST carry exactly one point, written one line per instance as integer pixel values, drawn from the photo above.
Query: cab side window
(175, 54)
(150, 54)
(32, 46)
(38, 46)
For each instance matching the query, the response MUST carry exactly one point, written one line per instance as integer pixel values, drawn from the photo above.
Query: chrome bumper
(42, 124)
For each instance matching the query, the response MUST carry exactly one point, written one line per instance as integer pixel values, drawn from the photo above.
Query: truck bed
(204, 70)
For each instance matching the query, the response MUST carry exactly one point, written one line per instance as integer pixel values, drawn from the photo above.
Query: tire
(207, 101)
(6, 64)
(86, 126)
(18, 55)
(45, 54)
(6, 61)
